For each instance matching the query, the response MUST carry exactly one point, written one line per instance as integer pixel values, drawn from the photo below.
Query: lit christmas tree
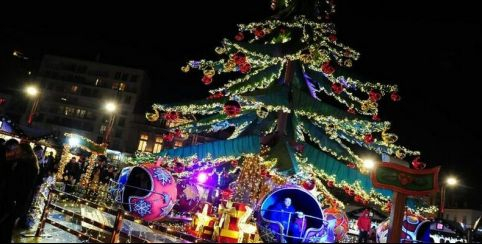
(293, 102)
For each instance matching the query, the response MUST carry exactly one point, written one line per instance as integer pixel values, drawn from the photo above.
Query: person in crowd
(71, 174)
(19, 187)
(298, 227)
(282, 212)
(364, 224)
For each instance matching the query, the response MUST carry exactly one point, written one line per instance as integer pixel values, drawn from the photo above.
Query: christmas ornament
(309, 184)
(185, 68)
(374, 96)
(188, 197)
(327, 68)
(340, 225)
(368, 105)
(400, 154)
(149, 204)
(417, 164)
(351, 111)
(368, 138)
(234, 163)
(244, 68)
(239, 58)
(262, 112)
(348, 63)
(305, 56)
(337, 88)
(209, 72)
(239, 37)
(351, 192)
(232, 108)
(389, 138)
(229, 66)
(177, 133)
(207, 80)
(332, 38)
(168, 137)
(152, 117)
(351, 165)
(395, 97)
(259, 32)
(220, 50)
(330, 183)
(376, 117)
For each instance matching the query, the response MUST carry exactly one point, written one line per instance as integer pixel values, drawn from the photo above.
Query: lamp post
(32, 92)
(110, 107)
(451, 182)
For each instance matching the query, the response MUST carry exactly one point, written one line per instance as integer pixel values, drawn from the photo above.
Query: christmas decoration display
(415, 228)
(147, 191)
(281, 206)
(340, 222)
(188, 197)
(232, 108)
(203, 223)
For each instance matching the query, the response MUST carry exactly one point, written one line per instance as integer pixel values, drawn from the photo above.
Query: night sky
(431, 51)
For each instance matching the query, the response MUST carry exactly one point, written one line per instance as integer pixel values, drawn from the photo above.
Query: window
(74, 89)
(122, 86)
(134, 78)
(69, 111)
(158, 144)
(143, 142)
(115, 85)
(125, 77)
(81, 113)
(117, 75)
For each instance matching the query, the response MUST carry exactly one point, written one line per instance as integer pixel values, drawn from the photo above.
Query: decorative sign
(405, 180)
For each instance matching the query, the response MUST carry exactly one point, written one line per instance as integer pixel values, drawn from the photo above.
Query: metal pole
(117, 226)
(44, 216)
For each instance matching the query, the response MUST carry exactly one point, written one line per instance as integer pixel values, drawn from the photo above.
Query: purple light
(202, 178)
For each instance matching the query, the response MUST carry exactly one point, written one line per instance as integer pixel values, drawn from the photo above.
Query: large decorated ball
(415, 228)
(290, 214)
(147, 191)
(187, 197)
(338, 219)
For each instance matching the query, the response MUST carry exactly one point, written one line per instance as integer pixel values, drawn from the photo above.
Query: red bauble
(207, 80)
(244, 68)
(327, 68)
(170, 116)
(346, 189)
(216, 95)
(177, 133)
(232, 108)
(234, 163)
(239, 58)
(168, 137)
(330, 183)
(337, 88)
(351, 192)
(309, 184)
(259, 32)
(332, 38)
(357, 198)
(351, 110)
(376, 117)
(351, 165)
(417, 164)
(375, 96)
(395, 97)
(239, 37)
(368, 139)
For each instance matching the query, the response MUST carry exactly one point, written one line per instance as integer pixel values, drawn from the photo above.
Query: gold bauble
(209, 72)
(152, 117)
(262, 112)
(389, 138)
(400, 154)
(348, 63)
(185, 69)
(220, 50)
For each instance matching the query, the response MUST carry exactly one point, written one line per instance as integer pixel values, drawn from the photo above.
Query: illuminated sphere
(147, 191)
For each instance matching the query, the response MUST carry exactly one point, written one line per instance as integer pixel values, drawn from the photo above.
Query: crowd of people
(24, 169)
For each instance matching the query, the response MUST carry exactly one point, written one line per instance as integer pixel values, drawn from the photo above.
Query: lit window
(74, 88)
(143, 142)
(122, 86)
(158, 144)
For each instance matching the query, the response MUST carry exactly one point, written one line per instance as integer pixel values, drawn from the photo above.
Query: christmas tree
(290, 98)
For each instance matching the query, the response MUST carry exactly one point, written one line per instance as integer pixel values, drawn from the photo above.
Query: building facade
(466, 216)
(73, 94)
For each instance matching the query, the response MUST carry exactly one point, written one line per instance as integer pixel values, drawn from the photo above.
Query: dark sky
(432, 52)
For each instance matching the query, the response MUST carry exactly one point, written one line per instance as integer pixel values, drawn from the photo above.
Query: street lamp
(110, 107)
(451, 182)
(369, 164)
(32, 92)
